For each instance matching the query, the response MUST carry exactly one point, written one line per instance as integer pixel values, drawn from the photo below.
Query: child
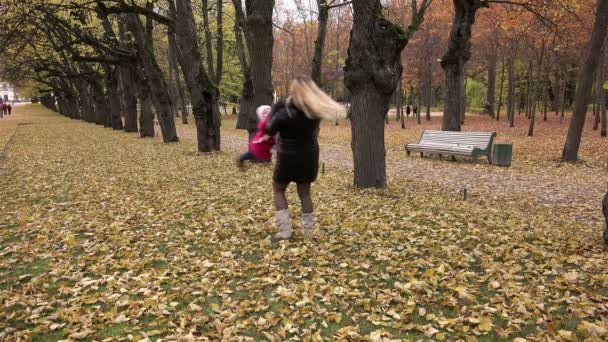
(261, 145)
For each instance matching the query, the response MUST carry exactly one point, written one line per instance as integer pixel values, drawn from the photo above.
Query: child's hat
(262, 110)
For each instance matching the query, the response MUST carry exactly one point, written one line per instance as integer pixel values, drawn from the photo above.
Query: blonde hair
(308, 97)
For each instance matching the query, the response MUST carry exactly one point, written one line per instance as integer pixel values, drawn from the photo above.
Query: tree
(458, 53)
(256, 25)
(203, 91)
(373, 69)
(156, 81)
(585, 83)
(260, 42)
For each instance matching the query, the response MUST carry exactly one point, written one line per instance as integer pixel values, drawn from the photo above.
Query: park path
(561, 190)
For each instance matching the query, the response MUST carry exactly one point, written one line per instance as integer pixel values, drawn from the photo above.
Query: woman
(296, 120)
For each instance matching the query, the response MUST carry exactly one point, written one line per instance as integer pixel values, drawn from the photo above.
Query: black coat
(298, 145)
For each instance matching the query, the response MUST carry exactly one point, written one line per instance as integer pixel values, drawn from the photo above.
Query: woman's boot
(308, 225)
(283, 220)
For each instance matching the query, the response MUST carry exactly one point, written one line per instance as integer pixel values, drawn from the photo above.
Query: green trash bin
(502, 154)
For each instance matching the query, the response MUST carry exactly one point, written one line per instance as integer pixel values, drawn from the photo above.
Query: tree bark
(99, 98)
(599, 97)
(183, 107)
(260, 42)
(204, 93)
(537, 90)
(156, 81)
(208, 40)
(317, 59)
(246, 110)
(491, 91)
(511, 91)
(585, 82)
(128, 78)
(113, 91)
(605, 97)
(603, 114)
(453, 62)
(86, 104)
(502, 84)
(428, 82)
(171, 77)
(146, 116)
(219, 46)
(373, 69)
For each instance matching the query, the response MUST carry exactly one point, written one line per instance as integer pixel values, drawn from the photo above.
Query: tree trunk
(536, 91)
(146, 116)
(101, 104)
(511, 92)
(317, 59)
(502, 84)
(86, 104)
(557, 91)
(171, 79)
(183, 107)
(246, 115)
(399, 100)
(603, 114)
(529, 90)
(113, 91)
(203, 92)
(128, 78)
(545, 85)
(604, 96)
(373, 69)
(598, 97)
(260, 44)
(491, 91)
(428, 88)
(585, 82)
(219, 47)
(463, 110)
(208, 40)
(156, 81)
(368, 137)
(453, 62)
(404, 99)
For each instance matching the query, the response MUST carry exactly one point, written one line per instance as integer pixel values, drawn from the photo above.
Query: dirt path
(553, 189)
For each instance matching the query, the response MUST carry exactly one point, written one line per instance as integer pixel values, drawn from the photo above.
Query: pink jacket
(261, 144)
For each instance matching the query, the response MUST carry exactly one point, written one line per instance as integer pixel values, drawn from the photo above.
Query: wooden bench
(472, 144)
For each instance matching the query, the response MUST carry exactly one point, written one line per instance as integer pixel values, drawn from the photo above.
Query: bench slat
(453, 143)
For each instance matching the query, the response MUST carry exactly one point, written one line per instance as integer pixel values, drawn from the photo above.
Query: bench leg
(407, 152)
(453, 157)
(490, 159)
(475, 158)
(421, 155)
(440, 156)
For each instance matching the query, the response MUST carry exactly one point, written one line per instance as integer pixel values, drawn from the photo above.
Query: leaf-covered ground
(107, 236)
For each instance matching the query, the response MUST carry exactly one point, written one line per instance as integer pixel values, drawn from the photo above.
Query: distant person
(297, 120)
(5, 108)
(416, 110)
(407, 110)
(261, 145)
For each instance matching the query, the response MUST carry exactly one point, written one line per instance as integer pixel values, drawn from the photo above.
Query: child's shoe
(240, 163)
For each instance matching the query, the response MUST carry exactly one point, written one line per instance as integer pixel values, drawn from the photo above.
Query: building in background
(7, 92)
